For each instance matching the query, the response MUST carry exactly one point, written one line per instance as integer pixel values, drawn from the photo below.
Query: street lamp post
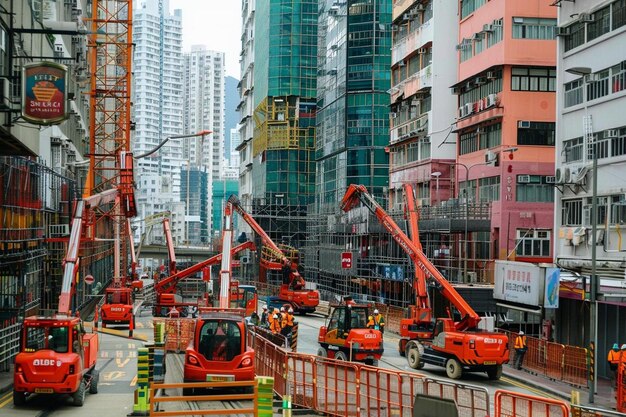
(584, 72)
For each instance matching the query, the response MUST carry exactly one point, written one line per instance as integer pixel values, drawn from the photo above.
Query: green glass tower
(285, 67)
(353, 99)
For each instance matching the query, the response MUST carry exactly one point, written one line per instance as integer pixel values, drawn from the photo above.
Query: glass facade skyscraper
(353, 99)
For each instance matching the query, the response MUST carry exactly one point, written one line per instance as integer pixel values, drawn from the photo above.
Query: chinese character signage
(518, 282)
(44, 93)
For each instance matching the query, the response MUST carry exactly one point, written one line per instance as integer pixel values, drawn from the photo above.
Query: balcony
(413, 41)
(412, 128)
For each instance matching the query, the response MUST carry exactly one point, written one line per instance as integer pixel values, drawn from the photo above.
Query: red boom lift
(56, 355)
(292, 291)
(456, 346)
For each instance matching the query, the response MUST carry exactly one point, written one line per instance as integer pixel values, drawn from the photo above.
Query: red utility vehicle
(292, 291)
(118, 308)
(457, 346)
(346, 337)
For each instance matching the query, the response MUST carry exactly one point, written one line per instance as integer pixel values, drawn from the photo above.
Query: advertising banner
(519, 282)
(551, 296)
(44, 93)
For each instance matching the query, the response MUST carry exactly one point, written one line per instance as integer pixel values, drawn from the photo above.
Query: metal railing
(9, 343)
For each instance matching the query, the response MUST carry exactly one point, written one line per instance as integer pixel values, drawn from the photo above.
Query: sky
(214, 23)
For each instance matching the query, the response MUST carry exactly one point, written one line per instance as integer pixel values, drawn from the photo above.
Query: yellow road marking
(134, 381)
(111, 376)
(529, 388)
(139, 325)
(121, 364)
(6, 399)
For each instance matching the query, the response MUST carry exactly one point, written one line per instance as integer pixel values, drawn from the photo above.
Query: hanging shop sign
(44, 93)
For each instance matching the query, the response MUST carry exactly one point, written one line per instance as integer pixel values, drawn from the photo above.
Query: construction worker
(264, 318)
(287, 323)
(379, 321)
(275, 324)
(520, 349)
(370, 322)
(254, 318)
(613, 360)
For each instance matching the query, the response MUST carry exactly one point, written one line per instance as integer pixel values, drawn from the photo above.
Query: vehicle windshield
(54, 338)
(220, 340)
(117, 297)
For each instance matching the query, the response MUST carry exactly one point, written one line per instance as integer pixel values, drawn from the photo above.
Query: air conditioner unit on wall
(550, 179)
(585, 17)
(610, 133)
(562, 31)
(560, 175)
(523, 179)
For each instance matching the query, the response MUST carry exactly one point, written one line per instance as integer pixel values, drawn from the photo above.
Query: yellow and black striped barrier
(140, 407)
(293, 341)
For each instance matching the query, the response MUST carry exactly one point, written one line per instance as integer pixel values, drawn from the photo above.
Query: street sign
(89, 279)
(346, 260)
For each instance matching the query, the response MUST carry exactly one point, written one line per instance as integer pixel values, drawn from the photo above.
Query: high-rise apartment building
(157, 99)
(591, 131)
(203, 109)
(246, 106)
(423, 111)
(506, 129)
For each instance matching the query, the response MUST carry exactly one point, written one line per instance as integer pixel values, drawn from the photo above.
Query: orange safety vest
(275, 326)
(370, 322)
(379, 320)
(288, 320)
(613, 356)
(520, 342)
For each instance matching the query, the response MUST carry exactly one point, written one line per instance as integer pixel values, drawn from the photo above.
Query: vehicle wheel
(95, 378)
(19, 398)
(413, 356)
(104, 325)
(341, 356)
(453, 369)
(321, 352)
(494, 372)
(79, 396)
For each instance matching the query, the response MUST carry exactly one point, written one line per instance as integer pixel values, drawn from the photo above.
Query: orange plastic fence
(178, 333)
(554, 360)
(621, 388)
(270, 360)
(514, 404)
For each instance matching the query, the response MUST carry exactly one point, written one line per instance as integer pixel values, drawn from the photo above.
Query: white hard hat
(275, 316)
(291, 310)
(375, 311)
(282, 309)
(521, 333)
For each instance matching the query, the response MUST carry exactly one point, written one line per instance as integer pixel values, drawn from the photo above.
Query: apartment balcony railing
(412, 41)
(414, 127)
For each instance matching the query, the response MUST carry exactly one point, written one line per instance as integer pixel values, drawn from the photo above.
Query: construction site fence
(9, 342)
(553, 360)
(178, 332)
(341, 388)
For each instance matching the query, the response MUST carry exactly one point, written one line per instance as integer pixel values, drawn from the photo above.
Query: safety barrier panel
(514, 404)
(178, 333)
(9, 342)
(554, 360)
(575, 370)
(584, 411)
(156, 401)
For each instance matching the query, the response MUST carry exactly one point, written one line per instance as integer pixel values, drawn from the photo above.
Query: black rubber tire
(321, 352)
(95, 378)
(79, 395)
(19, 398)
(413, 356)
(495, 372)
(453, 369)
(341, 356)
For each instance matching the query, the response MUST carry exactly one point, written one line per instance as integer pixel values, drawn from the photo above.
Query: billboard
(553, 282)
(519, 282)
(390, 272)
(44, 93)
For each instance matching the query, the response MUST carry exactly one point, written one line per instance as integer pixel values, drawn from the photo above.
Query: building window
(601, 23)
(600, 87)
(619, 14)
(533, 242)
(573, 93)
(491, 136)
(536, 133)
(618, 79)
(576, 36)
(469, 143)
(468, 7)
(572, 212)
(533, 28)
(489, 189)
(496, 35)
(534, 189)
(467, 188)
(618, 209)
(533, 79)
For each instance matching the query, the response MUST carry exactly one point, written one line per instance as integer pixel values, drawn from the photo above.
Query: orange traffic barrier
(575, 369)
(178, 333)
(554, 360)
(513, 404)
